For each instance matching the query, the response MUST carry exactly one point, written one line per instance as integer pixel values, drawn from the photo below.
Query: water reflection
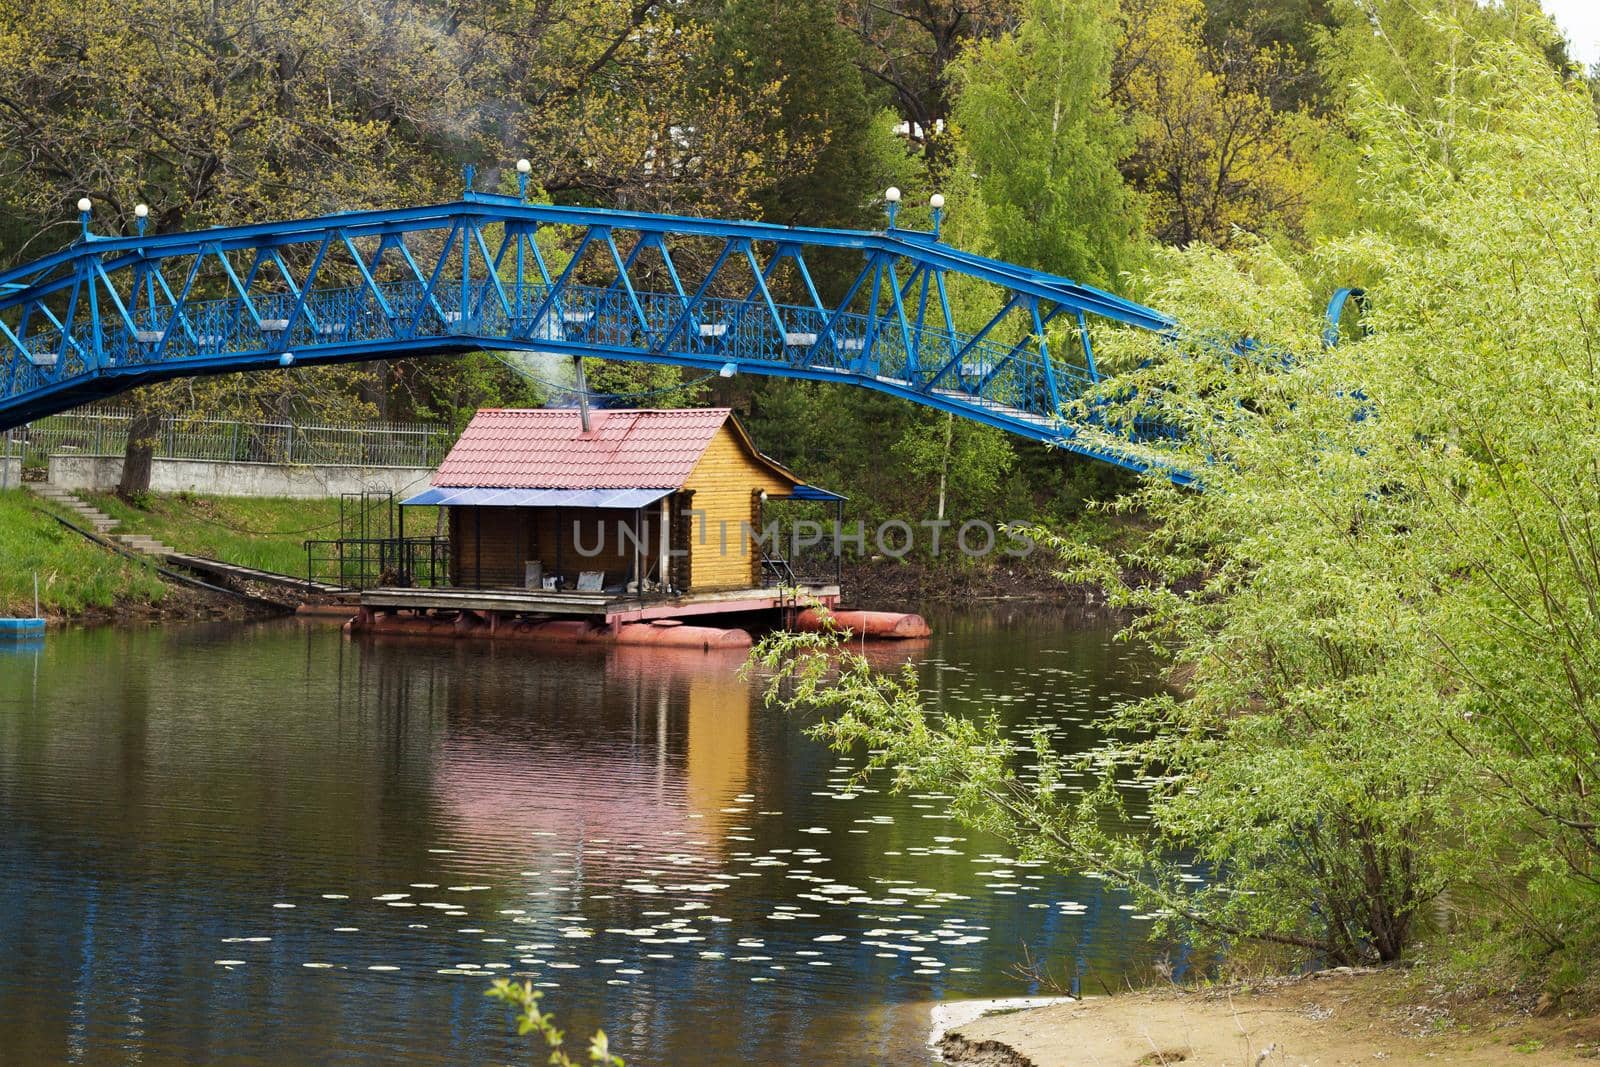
(600, 744)
(362, 833)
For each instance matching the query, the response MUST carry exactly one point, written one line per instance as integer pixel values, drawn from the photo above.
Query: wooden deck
(608, 608)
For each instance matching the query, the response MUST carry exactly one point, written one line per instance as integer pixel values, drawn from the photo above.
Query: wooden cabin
(663, 502)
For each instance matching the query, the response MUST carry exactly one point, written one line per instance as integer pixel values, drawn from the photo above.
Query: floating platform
(892, 625)
(583, 618)
(663, 633)
(604, 609)
(21, 629)
(606, 618)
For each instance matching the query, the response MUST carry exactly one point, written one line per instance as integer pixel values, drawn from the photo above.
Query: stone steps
(143, 543)
(151, 548)
(67, 500)
(103, 524)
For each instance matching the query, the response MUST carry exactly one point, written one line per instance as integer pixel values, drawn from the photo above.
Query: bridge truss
(897, 311)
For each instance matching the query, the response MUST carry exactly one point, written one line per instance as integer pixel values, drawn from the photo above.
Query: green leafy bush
(531, 1020)
(1384, 607)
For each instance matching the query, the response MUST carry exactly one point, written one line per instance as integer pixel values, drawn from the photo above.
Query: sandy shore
(1332, 1018)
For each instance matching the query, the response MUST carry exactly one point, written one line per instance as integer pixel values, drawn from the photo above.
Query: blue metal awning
(455, 496)
(811, 492)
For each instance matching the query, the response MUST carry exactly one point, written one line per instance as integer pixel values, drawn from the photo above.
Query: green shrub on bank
(74, 574)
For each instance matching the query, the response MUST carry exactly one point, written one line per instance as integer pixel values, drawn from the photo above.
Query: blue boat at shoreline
(21, 629)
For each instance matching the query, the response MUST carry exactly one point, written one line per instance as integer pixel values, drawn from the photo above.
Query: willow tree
(1410, 52)
(1395, 554)
(1384, 606)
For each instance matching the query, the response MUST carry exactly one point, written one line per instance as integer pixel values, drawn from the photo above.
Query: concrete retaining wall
(211, 478)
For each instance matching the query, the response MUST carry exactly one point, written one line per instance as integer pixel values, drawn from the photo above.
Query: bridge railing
(985, 371)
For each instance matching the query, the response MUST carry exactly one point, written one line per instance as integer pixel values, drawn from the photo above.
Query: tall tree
(1294, 24)
(616, 102)
(908, 46)
(822, 123)
(967, 462)
(214, 113)
(1221, 145)
(1037, 127)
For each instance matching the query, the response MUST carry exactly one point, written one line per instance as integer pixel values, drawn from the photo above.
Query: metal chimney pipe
(583, 392)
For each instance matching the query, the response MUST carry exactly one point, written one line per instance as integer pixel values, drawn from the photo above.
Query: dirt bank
(1336, 1017)
(887, 584)
(177, 604)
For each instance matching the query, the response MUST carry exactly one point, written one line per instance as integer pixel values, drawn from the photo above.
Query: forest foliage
(1076, 136)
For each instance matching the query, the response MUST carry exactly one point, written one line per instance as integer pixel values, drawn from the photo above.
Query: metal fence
(370, 562)
(375, 444)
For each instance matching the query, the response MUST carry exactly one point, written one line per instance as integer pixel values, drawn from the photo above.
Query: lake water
(274, 844)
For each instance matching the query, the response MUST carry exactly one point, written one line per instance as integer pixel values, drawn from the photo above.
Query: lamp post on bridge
(891, 201)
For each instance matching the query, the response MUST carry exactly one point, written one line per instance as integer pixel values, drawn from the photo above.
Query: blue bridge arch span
(491, 272)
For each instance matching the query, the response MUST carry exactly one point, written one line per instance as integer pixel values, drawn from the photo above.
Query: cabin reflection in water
(537, 744)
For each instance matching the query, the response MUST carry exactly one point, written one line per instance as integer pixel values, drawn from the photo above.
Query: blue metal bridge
(897, 310)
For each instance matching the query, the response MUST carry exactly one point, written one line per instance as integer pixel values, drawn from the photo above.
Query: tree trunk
(137, 459)
(944, 463)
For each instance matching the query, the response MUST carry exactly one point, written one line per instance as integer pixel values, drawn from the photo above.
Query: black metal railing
(810, 568)
(802, 541)
(775, 571)
(374, 562)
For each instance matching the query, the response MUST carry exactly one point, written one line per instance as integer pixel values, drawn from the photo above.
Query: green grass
(75, 575)
(262, 532)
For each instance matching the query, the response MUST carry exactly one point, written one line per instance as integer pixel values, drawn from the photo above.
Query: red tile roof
(547, 449)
